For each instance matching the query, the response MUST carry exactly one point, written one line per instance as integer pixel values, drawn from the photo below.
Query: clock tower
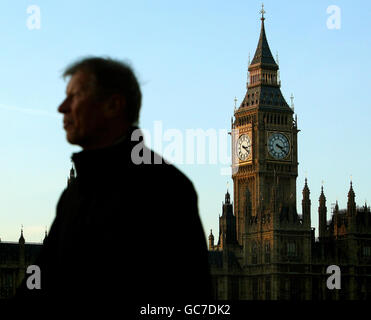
(264, 145)
(265, 168)
(266, 250)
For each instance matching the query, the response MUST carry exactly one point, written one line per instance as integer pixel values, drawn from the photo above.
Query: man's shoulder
(168, 172)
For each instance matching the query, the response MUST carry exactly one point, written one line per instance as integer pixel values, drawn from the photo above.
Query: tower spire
(336, 206)
(322, 214)
(46, 234)
(263, 84)
(263, 54)
(227, 197)
(306, 191)
(21, 238)
(351, 194)
(211, 240)
(351, 207)
(227, 224)
(306, 204)
(72, 176)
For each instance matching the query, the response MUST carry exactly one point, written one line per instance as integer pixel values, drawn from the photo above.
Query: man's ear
(115, 106)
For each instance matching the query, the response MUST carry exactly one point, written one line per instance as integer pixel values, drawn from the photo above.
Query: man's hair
(112, 77)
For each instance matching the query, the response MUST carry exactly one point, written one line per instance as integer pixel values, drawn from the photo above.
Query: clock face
(278, 146)
(243, 147)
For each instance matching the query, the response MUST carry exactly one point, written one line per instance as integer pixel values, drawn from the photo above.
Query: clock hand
(282, 149)
(246, 148)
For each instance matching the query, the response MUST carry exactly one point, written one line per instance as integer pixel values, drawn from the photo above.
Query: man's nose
(64, 106)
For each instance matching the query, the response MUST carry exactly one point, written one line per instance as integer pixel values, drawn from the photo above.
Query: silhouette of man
(124, 229)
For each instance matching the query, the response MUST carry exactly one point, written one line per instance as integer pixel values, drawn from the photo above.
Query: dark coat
(124, 232)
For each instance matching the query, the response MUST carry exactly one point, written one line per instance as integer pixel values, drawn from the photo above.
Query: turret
(227, 224)
(227, 198)
(336, 219)
(46, 236)
(305, 204)
(322, 215)
(71, 177)
(211, 240)
(351, 207)
(365, 208)
(21, 240)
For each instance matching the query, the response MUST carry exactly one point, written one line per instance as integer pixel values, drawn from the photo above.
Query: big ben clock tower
(264, 172)
(264, 144)
(265, 168)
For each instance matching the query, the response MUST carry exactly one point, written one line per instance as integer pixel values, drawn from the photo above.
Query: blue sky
(191, 58)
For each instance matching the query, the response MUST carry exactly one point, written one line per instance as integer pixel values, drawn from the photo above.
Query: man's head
(103, 101)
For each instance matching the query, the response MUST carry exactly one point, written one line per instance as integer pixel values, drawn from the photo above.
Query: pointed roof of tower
(263, 54)
(351, 206)
(72, 175)
(263, 85)
(21, 238)
(227, 198)
(46, 235)
(351, 193)
(227, 208)
(365, 208)
(306, 188)
(322, 197)
(72, 172)
(211, 236)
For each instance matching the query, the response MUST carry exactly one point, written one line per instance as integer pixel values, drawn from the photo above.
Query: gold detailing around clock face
(278, 146)
(243, 147)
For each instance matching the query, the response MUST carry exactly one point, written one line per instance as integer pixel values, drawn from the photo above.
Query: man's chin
(72, 139)
(76, 140)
